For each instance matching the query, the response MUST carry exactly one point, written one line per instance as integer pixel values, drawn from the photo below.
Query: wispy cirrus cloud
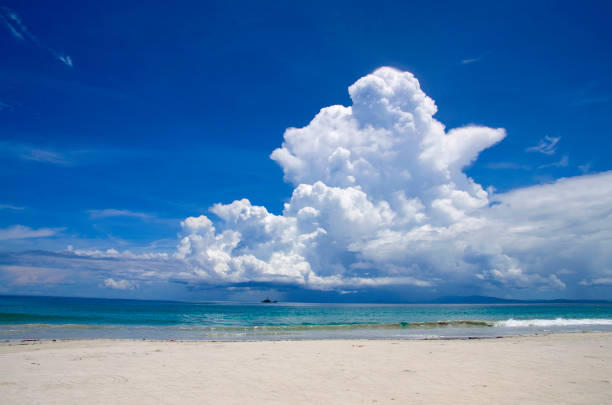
(6, 106)
(14, 24)
(36, 154)
(546, 146)
(46, 156)
(507, 166)
(563, 162)
(11, 207)
(58, 155)
(468, 61)
(585, 168)
(29, 275)
(25, 232)
(65, 59)
(591, 100)
(111, 212)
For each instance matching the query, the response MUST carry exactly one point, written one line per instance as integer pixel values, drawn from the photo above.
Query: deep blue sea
(78, 318)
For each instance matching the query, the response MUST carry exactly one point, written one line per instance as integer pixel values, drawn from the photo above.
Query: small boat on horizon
(269, 301)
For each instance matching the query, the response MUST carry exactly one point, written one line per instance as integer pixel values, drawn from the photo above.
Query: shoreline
(563, 368)
(9, 342)
(5, 342)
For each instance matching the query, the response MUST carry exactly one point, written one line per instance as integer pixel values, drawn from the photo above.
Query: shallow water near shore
(84, 318)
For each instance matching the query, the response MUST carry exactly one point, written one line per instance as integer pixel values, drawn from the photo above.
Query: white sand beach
(546, 369)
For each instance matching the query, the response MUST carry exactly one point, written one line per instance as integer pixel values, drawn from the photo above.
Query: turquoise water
(69, 318)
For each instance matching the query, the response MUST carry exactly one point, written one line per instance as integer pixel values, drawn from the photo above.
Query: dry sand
(551, 369)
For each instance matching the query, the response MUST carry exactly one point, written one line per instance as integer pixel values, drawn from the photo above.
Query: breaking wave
(522, 323)
(262, 330)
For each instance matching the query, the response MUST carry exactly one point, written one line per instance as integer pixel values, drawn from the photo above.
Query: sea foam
(523, 323)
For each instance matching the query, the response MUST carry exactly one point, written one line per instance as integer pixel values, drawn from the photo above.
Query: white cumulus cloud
(378, 173)
(381, 198)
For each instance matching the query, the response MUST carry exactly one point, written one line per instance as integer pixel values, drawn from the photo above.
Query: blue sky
(120, 120)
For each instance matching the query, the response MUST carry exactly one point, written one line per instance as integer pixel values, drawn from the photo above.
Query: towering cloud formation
(380, 198)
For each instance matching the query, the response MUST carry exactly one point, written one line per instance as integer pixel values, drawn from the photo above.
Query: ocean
(86, 318)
